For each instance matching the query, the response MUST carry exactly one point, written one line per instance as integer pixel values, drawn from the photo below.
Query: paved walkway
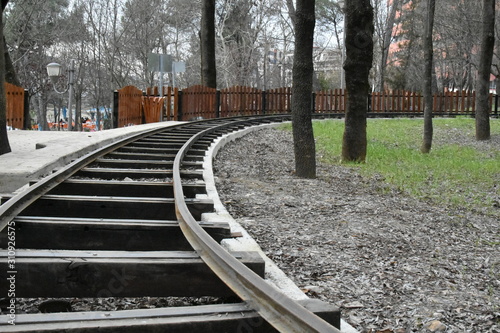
(36, 153)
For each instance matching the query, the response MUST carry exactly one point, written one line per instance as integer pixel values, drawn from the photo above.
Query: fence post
(496, 106)
(27, 118)
(313, 102)
(115, 109)
(217, 104)
(179, 106)
(264, 101)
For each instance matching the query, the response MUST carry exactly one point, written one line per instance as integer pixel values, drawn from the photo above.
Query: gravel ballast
(391, 262)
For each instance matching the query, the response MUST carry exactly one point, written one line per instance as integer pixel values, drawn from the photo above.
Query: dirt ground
(391, 262)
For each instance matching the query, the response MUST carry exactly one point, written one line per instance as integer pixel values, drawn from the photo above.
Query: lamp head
(54, 71)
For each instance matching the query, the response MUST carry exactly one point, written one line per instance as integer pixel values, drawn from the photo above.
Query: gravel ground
(391, 262)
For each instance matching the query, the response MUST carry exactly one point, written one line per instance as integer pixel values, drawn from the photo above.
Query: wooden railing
(198, 102)
(133, 106)
(203, 102)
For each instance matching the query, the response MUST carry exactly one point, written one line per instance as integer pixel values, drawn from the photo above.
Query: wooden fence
(403, 102)
(133, 106)
(16, 106)
(152, 104)
(198, 101)
(203, 102)
(129, 104)
(240, 101)
(329, 101)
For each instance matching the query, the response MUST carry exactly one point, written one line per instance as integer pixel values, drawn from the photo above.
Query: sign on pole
(159, 62)
(177, 67)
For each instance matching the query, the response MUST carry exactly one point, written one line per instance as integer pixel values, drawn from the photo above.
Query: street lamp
(54, 71)
(341, 3)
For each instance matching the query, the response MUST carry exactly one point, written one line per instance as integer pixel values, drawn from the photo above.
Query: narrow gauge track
(126, 221)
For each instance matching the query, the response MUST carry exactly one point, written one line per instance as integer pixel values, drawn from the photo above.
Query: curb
(274, 275)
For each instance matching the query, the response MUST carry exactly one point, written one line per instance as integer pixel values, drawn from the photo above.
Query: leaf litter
(392, 263)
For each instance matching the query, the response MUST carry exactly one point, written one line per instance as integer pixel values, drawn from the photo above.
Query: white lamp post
(54, 71)
(342, 53)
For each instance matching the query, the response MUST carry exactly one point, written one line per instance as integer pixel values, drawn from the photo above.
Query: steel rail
(15, 205)
(280, 311)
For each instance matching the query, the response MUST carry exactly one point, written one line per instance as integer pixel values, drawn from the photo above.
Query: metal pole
(342, 53)
(70, 99)
(173, 74)
(160, 88)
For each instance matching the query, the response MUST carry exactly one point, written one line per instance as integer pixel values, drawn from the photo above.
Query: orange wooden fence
(198, 101)
(240, 101)
(329, 101)
(153, 105)
(203, 102)
(278, 100)
(396, 101)
(130, 106)
(401, 101)
(15, 105)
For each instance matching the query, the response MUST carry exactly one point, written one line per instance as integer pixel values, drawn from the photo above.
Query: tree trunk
(41, 112)
(484, 70)
(207, 44)
(4, 140)
(10, 71)
(291, 11)
(427, 84)
(303, 137)
(359, 56)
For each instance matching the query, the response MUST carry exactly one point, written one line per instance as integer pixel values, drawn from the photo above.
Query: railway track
(127, 221)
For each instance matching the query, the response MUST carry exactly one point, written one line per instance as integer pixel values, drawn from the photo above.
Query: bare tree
(207, 43)
(330, 16)
(32, 30)
(484, 71)
(385, 32)
(427, 83)
(4, 140)
(359, 57)
(303, 137)
(458, 31)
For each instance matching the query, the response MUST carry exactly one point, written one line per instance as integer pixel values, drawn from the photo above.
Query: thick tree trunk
(359, 57)
(427, 85)
(207, 44)
(484, 70)
(4, 140)
(303, 137)
(10, 72)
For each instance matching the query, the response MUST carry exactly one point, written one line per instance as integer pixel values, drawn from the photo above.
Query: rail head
(275, 307)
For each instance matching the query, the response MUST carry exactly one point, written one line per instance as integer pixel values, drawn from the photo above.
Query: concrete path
(36, 153)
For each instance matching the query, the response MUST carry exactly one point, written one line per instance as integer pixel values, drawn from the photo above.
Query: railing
(202, 102)
(132, 106)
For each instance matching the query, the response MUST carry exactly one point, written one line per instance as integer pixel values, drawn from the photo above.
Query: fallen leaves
(392, 263)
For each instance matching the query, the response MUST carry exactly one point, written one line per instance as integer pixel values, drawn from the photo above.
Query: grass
(453, 173)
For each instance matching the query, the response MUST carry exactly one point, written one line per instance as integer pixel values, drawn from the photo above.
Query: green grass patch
(459, 171)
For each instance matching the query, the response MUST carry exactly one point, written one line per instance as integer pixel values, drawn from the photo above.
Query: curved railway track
(127, 221)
